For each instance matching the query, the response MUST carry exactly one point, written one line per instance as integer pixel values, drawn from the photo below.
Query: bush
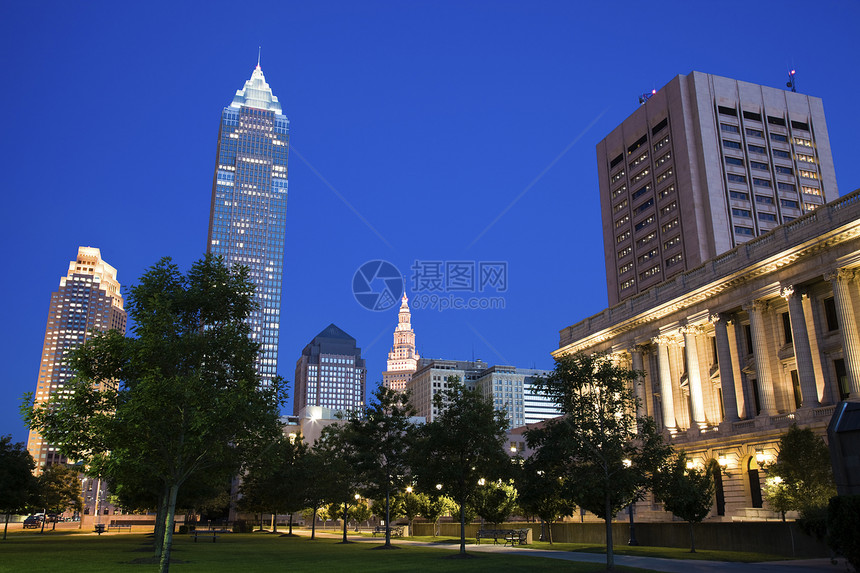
(241, 526)
(843, 523)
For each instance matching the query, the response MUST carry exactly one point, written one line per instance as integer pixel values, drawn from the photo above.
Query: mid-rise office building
(330, 374)
(431, 378)
(87, 301)
(402, 359)
(704, 165)
(249, 203)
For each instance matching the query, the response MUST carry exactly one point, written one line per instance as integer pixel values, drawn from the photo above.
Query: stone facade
(741, 347)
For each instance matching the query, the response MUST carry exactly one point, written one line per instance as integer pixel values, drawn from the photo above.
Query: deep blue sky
(429, 118)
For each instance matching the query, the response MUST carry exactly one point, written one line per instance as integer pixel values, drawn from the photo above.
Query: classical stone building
(739, 348)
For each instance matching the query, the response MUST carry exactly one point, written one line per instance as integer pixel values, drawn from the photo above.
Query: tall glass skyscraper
(249, 204)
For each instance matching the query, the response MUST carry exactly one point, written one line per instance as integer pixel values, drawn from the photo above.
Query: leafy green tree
(275, 480)
(382, 437)
(542, 493)
(434, 506)
(178, 400)
(58, 489)
(409, 506)
(687, 493)
(801, 478)
(461, 446)
(317, 489)
(17, 483)
(606, 454)
(337, 452)
(495, 501)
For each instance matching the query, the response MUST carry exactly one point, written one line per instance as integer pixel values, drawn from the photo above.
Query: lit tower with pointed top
(402, 360)
(249, 204)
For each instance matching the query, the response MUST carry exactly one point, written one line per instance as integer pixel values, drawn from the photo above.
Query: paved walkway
(652, 563)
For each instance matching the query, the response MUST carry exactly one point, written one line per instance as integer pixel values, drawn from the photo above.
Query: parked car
(34, 521)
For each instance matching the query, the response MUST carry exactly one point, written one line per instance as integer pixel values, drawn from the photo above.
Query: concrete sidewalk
(651, 563)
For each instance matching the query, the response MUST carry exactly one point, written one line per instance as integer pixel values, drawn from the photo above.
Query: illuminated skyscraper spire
(249, 204)
(402, 360)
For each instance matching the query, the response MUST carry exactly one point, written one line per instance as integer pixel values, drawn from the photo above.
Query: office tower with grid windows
(330, 373)
(249, 203)
(87, 301)
(705, 164)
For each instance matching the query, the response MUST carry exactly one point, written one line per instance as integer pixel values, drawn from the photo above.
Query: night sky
(421, 131)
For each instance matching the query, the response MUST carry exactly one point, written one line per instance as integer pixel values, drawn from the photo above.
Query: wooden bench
(508, 536)
(119, 527)
(396, 530)
(205, 533)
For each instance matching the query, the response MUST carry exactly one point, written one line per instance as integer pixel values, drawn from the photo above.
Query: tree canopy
(17, 482)
(180, 398)
(463, 445)
(605, 453)
(687, 492)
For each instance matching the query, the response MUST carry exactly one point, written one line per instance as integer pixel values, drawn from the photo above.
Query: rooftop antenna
(791, 83)
(646, 96)
(259, 51)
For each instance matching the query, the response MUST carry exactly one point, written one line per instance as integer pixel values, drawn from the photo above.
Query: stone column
(760, 353)
(841, 280)
(727, 375)
(666, 398)
(638, 382)
(694, 375)
(802, 351)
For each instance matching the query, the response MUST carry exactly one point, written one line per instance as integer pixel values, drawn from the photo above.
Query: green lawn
(246, 553)
(623, 549)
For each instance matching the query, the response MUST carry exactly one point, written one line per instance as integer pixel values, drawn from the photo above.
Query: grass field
(641, 550)
(246, 553)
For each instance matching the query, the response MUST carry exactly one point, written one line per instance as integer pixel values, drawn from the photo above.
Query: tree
(17, 483)
(383, 438)
(58, 489)
(605, 453)
(434, 506)
(179, 400)
(541, 492)
(338, 456)
(495, 501)
(687, 492)
(461, 446)
(317, 490)
(409, 506)
(801, 478)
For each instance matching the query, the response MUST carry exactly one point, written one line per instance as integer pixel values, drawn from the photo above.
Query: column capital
(692, 329)
(758, 305)
(665, 339)
(842, 274)
(641, 348)
(786, 291)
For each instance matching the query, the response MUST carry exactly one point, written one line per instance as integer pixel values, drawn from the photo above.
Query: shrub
(843, 523)
(241, 526)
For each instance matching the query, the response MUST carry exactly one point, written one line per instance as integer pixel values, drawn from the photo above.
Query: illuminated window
(640, 175)
(627, 284)
(663, 159)
(622, 221)
(622, 237)
(668, 208)
(619, 191)
(807, 174)
(620, 206)
(617, 176)
(660, 144)
(670, 225)
(644, 223)
(624, 252)
(811, 190)
(673, 260)
(665, 175)
(650, 254)
(625, 268)
(639, 159)
(676, 240)
(805, 158)
(650, 272)
(802, 141)
(646, 239)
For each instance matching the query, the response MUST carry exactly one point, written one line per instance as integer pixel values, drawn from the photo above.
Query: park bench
(508, 536)
(396, 530)
(205, 533)
(119, 527)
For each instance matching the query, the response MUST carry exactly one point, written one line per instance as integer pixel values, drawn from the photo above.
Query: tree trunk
(44, 519)
(345, 516)
(387, 522)
(6, 527)
(692, 539)
(463, 526)
(168, 528)
(274, 523)
(291, 524)
(314, 525)
(610, 556)
(261, 521)
(160, 517)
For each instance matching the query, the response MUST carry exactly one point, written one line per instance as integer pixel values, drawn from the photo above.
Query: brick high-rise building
(707, 163)
(87, 301)
(249, 204)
